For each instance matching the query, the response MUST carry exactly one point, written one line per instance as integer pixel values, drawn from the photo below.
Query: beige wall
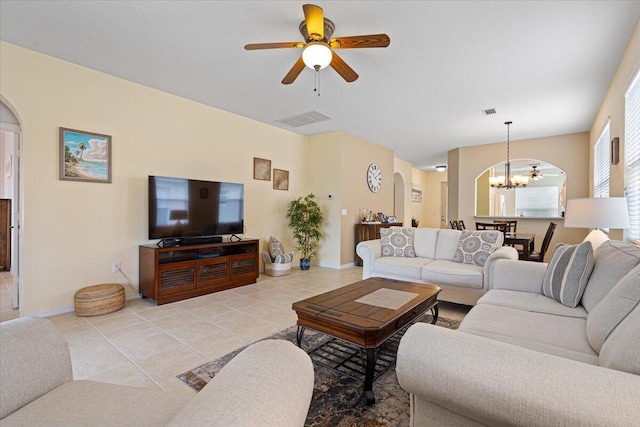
(356, 156)
(483, 194)
(613, 108)
(428, 211)
(73, 231)
(324, 180)
(338, 164)
(568, 152)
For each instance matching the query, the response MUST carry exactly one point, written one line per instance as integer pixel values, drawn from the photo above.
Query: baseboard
(70, 308)
(325, 265)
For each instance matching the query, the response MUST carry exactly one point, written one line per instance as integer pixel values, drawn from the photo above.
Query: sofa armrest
(268, 384)
(524, 276)
(34, 359)
(369, 251)
(504, 252)
(495, 383)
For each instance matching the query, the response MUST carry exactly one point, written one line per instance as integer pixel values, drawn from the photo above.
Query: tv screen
(181, 207)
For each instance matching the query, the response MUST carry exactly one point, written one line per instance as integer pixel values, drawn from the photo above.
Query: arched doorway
(10, 193)
(398, 197)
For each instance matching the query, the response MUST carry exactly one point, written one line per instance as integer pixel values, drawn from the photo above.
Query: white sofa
(520, 358)
(435, 249)
(270, 383)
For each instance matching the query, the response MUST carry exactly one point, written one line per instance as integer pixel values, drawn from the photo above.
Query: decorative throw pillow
(283, 259)
(275, 247)
(397, 241)
(474, 247)
(568, 273)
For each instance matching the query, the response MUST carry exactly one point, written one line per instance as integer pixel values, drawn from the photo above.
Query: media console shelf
(173, 274)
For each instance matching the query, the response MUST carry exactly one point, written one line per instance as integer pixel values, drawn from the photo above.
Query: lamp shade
(317, 54)
(603, 212)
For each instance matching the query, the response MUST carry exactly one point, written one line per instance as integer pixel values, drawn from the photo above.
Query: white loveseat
(520, 358)
(269, 383)
(433, 264)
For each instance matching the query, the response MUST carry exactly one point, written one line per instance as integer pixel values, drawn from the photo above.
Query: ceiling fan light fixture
(317, 54)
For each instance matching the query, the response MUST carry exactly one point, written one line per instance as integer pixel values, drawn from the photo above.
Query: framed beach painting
(261, 169)
(280, 179)
(84, 156)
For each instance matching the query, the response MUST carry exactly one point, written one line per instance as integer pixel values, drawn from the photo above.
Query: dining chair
(491, 226)
(539, 256)
(512, 225)
(457, 224)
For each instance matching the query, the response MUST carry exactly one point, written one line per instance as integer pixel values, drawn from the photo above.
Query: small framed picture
(382, 217)
(261, 169)
(84, 156)
(615, 151)
(280, 179)
(392, 219)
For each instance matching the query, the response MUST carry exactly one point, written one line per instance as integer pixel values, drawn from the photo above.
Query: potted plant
(305, 218)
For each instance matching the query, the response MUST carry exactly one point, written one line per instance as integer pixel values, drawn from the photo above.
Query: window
(601, 158)
(632, 157)
(537, 202)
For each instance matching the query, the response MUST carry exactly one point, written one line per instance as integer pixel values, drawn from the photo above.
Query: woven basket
(277, 269)
(99, 299)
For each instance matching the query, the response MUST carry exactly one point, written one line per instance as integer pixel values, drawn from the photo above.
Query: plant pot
(305, 263)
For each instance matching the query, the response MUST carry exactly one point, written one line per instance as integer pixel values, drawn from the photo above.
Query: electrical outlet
(115, 267)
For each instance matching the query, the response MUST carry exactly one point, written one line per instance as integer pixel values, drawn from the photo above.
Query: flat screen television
(180, 207)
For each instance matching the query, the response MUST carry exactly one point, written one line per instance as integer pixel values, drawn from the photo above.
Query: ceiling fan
(319, 47)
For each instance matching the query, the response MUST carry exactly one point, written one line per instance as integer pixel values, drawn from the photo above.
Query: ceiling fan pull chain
(316, 80)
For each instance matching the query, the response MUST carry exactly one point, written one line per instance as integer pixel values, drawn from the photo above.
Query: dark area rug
(338, 400)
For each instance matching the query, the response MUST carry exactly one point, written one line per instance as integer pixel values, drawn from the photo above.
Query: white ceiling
(544, 65)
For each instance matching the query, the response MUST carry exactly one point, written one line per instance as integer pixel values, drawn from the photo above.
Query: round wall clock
(374, 177)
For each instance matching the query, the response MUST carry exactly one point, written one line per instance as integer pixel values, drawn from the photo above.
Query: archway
(10, 192)
(398, 197)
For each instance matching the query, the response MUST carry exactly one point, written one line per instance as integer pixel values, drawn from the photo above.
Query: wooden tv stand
(173, 274)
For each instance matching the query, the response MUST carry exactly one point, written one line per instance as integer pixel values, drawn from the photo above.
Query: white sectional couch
(270, 383)
(433, 264)
(520, 358)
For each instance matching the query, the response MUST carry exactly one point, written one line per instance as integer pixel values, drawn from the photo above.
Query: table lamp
(597, 213)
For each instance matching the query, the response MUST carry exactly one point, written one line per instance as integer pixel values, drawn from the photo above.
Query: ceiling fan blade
(256, 46)
(343, 69)
(294, 72)
(314, 17)
(352, 42)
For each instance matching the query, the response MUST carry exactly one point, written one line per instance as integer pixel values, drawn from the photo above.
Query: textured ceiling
(544, 65)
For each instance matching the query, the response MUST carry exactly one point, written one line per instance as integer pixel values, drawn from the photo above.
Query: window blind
(601, 159)
(632, 157)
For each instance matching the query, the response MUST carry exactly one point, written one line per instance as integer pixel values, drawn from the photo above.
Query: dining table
(526, 240)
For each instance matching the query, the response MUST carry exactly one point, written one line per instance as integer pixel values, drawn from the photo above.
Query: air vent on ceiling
(304, 119)
(489, 111)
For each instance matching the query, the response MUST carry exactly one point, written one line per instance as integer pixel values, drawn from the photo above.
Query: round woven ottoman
(99, 299)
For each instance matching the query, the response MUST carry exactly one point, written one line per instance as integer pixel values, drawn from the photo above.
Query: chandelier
(507, 181)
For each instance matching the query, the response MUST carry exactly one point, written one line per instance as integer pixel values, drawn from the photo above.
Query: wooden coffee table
(366, 314)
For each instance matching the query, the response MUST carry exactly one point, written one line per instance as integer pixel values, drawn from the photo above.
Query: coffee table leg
(434, 313)
(299, 335)
(370, 369)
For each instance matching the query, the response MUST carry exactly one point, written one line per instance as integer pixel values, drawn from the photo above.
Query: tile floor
(145, 345)
(7, 312)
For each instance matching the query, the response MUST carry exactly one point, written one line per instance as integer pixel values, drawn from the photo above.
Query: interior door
(5, 234)
(444, 202)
